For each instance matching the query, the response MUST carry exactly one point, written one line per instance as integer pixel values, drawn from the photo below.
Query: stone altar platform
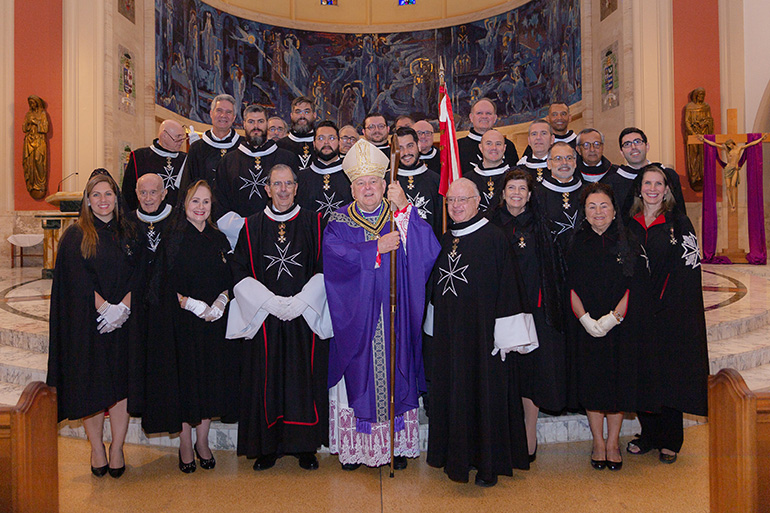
(737, 300)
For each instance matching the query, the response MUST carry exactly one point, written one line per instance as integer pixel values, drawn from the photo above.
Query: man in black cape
(478, 313)
(592, 165)
(483, 117)
(299, 140)
(540, 139)
(488, 175)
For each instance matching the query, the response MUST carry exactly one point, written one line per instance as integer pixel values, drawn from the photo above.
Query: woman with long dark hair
(672, 248)
(88, 358)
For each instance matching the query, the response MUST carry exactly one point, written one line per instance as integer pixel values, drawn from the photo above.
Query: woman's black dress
(614, 372)
(91, 371)
(672, 249)
(192, 370)
(542, 373)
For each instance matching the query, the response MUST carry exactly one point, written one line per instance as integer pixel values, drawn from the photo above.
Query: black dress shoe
(614, 465)
(100, 471)
(485, 482)
(187, 468)
(117, 472)
(265, 462)
(206, 464)
(399, 462)
(598, 464)
(350, 466)
(308, 461)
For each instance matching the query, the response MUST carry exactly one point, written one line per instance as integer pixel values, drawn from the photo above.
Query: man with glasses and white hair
(348, 137)
(477, 315)
(163, 157)
(634, 146)
(279, 307)
(558, 194)
(592, 164)
(276, 128)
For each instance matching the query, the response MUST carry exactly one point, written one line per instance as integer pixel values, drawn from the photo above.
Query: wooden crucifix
(730, 179)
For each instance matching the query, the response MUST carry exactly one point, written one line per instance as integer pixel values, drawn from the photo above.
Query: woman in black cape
(192, 370)
(91, 331)
(542, 373)
(672, 248)
(609, 282)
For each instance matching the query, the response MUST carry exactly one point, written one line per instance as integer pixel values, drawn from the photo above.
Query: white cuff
(516, 333)
(317, 314)
(230, 224)
(246, 313)
(427, 326)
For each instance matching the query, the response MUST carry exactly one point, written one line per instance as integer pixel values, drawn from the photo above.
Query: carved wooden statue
(35, 158)
(697, 121)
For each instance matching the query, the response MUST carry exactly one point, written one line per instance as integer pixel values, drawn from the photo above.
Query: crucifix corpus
(733, 145)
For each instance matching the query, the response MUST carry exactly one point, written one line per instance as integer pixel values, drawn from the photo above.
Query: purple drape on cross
(754, 204)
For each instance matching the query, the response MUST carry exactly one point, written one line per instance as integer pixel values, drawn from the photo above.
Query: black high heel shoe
(206, 464)
(100, 471)
(117, 472)
(187, 468)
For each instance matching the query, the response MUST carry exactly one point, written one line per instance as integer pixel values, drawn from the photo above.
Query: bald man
(429, 155)
(488, 175)
(163, 157)
(483, 117)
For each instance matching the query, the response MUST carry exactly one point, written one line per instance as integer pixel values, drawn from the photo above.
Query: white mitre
(364, 159)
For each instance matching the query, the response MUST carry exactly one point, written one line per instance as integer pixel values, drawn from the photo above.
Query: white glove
(591, 326)
(293, 309)
(275, 306)
(503, 352)
(217, 308)
(196, 306)
(111, 317)
(607, 322)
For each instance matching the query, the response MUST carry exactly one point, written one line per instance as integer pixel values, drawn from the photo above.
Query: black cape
(432, 159)
(284, 398)
(192, 370)
(560, 204)
(594, 173)
(323, 188)
(152, 159)
(476, 415)
(420, 185)
(490, 184)
(538, 168)
(300, 145)
(672, 249)
(91, 371)
(204, 156)
(243, 174)
(614, 372)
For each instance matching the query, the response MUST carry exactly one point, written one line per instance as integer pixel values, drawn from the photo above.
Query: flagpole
(441, 94)
(394, 162)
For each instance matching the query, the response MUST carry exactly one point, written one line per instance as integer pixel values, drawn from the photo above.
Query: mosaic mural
(523, 59)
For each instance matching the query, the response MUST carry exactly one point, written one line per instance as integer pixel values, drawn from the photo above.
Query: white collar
(470, 229)
(154, 218)
(534, 163)
(279, 218)
(473, 135)
(625, 174)
(326, 170)
(568, 137)
(429, 155)
(383, 146)
(157, 148)
(491, 172)
(250, 153)
(223, 144)
(561, 188)
(298, 139)
(593, 178)
(412, 172)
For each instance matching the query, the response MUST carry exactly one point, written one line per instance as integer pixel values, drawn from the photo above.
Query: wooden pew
(739, 445)
(29, 472)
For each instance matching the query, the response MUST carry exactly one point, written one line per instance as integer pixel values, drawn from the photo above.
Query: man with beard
(376, 132)
(634, 146)
(483, 117)
(418, 182)
(162, 158)
(323, 186)
(429, 155)
(243, 174)
(205, 154)
(276, 128)
(539, 138)
(279, 308)
(299, 140)
(558, 194)
(488, 175)
(478, 308)
(348, 137)
(592, 164)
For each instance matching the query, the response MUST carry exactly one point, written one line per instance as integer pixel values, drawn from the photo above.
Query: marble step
(758, 378)
(741, 352)
(730, 328)
(31, 338)
(21, 366)
(10, 393)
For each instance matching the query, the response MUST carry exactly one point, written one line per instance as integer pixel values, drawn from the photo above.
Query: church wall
(757, 65)
(37, 71)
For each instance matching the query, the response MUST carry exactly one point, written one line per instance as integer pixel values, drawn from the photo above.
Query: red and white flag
(450, 154)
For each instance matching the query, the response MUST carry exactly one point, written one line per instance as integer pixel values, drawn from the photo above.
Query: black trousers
(663, 430)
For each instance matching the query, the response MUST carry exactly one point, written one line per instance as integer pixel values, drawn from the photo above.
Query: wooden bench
(29, 472)
(739, 445)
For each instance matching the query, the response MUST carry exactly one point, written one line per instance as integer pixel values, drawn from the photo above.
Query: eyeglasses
(460, 200)
(424, 133)
(323, 138)
(288, 183)
(376, 127)
(348, 138)
(558, 158)
(178, 138)
(635, 142)
(595, 144)
(274, 129)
